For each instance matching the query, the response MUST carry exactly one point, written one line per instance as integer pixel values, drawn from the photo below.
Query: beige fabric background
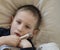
(50, 10)
(50, 30)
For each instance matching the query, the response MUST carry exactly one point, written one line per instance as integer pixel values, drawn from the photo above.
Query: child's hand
(11, 40)
(25, 44)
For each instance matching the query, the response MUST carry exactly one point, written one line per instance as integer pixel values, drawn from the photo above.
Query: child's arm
(11, 40)
(1, 41)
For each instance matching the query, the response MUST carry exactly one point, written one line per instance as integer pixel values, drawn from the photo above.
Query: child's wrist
(2, 41)
(5, 40)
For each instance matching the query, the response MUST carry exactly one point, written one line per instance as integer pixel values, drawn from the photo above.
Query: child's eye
(27, 26)
(19, 22)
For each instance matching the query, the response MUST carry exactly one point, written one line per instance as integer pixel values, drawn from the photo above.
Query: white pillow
(50, 27)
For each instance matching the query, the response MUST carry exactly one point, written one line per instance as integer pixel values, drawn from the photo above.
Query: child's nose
(20, 28)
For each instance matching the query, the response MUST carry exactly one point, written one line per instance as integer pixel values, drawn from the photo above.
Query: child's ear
(11, 18)
(35, 31)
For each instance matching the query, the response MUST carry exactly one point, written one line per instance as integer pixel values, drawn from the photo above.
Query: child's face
(23, 23)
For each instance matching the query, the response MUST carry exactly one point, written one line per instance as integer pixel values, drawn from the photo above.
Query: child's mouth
(18, 34)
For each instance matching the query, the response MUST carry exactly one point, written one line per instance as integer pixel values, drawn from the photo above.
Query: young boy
(26, 20)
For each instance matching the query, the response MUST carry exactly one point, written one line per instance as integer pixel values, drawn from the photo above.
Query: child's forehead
(27, 13)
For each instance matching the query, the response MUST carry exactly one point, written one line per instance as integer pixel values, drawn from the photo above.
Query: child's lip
(18, 34)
